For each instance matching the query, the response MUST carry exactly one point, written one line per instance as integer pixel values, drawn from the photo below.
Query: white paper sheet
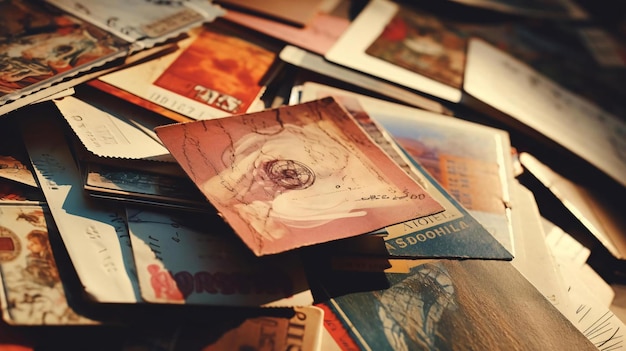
(95, 236)
(501, 81)
(108, 135)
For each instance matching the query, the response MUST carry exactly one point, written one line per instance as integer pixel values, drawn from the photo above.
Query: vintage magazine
(296, 175)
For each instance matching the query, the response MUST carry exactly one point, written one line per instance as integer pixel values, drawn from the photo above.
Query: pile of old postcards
(310, 175)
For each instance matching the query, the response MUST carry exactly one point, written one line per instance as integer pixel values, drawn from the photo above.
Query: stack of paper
(316, 175)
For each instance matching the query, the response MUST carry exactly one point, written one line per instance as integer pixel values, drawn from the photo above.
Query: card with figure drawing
(470, 161)
(40, 45)
(296, 175)
(32, 291)
(44, 44)
(180, 261)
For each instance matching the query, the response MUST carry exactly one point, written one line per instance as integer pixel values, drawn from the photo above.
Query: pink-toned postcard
(318, 35)
(296, 175)
(294, 13)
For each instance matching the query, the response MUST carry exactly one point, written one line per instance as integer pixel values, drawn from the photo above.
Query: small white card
(108, 135)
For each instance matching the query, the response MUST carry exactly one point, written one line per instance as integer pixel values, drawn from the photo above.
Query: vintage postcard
(14, 162)
(296, 175)
(144, 23)
(585, 60)
(40, 46)
(180, 261)
(380, 19)
(318, 35)
(470, 161)
(13, 158)
(141, 187)
(444, 303)
(32, 291)
(216, 72)
(423, 44)
(13, 169)
(95, 234)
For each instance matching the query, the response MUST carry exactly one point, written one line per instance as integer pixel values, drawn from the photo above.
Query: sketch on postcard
(296, 175)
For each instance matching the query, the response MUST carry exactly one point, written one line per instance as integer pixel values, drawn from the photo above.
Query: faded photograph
(423, 44)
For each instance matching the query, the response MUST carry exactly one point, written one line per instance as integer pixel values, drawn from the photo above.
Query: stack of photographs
(317, 175)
